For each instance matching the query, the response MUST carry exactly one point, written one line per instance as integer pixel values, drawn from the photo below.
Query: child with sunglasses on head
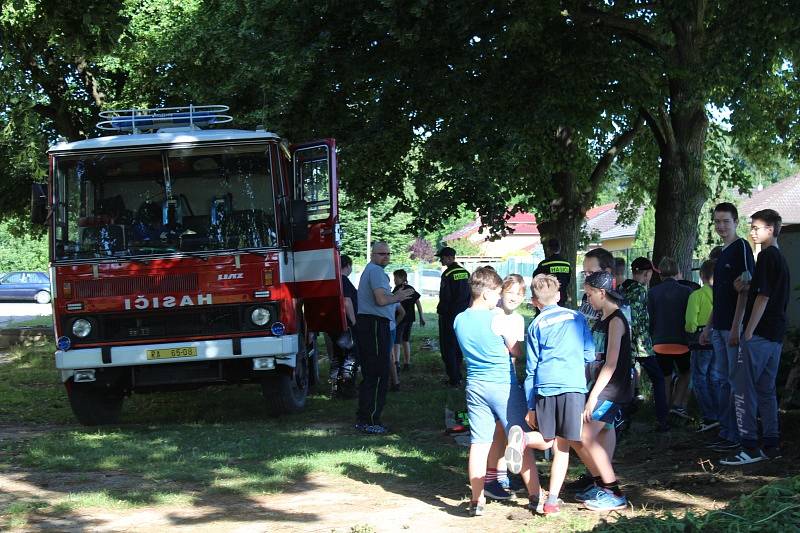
(612, 389)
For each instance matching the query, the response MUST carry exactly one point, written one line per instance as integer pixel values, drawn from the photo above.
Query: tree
(688, 55)
(54, 80)
(421, 250)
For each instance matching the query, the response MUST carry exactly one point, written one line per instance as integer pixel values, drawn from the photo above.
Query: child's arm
(349, 311)
(419, 311)
(759, 306)
(588, 341)
(400, 313)
(531, 366)
(692, 311)
(615, 332)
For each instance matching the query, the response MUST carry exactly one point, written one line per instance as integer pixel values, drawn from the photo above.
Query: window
(312, 174)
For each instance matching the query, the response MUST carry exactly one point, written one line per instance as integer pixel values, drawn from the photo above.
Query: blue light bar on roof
(135, 120)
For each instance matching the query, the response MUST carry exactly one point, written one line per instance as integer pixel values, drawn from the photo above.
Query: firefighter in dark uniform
(454, 297)
(556, 265)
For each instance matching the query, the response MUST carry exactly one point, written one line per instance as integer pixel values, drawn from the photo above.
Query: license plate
(169, 353)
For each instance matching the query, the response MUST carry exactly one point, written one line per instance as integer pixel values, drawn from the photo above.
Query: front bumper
(284, 349)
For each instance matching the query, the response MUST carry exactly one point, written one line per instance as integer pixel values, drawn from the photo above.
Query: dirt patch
(671, 473)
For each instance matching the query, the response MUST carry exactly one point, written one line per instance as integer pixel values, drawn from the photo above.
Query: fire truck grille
(178, 324)
(157, 284)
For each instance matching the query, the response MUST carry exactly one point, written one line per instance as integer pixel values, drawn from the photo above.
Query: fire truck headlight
(81, 328)
(260, 316)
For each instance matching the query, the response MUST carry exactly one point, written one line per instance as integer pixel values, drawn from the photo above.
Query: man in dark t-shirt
(344, 360)
(762, 342)
(557, 266)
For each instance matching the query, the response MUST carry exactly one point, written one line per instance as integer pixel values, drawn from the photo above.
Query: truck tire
(286, 392)
(93, 406)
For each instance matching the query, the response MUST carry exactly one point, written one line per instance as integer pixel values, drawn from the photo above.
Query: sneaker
(680, 412)
(495, 491)
(771, 452)
(744, 457)
(376, 429)
(394, 387)
(705, 425)
(360, 426)
(723, 445)
(476, 508)
(512, 484)
(588, 494)
(536, 503)
(584, 482)
(551, 508)
(606, 501)
(406, 367)
(515, 449)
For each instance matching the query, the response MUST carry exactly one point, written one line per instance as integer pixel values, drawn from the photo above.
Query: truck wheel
(284, 392)
(93, 406)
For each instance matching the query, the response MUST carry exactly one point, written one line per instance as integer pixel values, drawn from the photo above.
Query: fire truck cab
(184, 255)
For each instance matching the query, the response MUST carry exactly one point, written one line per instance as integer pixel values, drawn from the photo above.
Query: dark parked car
(25, 286)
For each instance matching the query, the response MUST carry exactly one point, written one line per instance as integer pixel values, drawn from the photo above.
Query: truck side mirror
(299, 220)
(39, 200)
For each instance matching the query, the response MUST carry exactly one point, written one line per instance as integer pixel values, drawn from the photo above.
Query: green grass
(773, 507)
(36, 322)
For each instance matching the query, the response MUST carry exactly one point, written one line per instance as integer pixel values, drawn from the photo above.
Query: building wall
(507, 245)
(789, 241)
(616, 245)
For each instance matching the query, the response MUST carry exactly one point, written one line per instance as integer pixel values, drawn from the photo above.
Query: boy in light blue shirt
(491, 394)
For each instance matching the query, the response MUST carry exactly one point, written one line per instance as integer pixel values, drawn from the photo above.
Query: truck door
(317, 275)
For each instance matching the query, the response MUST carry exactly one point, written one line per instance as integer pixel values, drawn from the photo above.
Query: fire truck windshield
(155, 202)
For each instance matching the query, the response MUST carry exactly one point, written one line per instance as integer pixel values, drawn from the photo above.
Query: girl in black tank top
(620, 388)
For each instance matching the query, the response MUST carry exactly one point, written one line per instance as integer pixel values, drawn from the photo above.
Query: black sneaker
(584, 482)
(723, 446)
(406, 367)
(771, 452)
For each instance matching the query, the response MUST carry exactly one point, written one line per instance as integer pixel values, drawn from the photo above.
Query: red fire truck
(184, 254)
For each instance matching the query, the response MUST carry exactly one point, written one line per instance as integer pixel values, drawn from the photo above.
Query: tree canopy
(441, 106)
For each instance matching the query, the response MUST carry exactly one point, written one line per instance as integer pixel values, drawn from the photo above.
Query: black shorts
(668, 363)
(403, 331)
(561, 415)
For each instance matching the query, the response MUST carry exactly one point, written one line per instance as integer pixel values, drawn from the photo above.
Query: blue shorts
(606, 411)
(489, 402)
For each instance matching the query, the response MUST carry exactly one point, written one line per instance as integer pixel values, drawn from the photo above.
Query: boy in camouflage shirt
(635, 293)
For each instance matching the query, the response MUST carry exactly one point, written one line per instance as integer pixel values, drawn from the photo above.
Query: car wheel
(42, 297)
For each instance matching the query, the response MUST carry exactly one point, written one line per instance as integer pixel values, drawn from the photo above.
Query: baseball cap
(603, 280)
(446, 251)
(643, 263)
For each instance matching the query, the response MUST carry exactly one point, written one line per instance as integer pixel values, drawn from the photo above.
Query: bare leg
(595, 450)
(608, 440)
(407, 353)
(395, 379)
(586, 459)
(496, 459)
(559, 466)
(478, 453)
(681, 396)
(530, 475)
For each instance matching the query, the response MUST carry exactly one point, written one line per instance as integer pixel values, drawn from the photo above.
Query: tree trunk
(566, 228)
(681, 187)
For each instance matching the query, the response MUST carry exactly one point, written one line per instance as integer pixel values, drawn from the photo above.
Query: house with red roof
(524, 234)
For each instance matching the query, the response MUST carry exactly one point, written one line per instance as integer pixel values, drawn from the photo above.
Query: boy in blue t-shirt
(491, 394)
(559, 345)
